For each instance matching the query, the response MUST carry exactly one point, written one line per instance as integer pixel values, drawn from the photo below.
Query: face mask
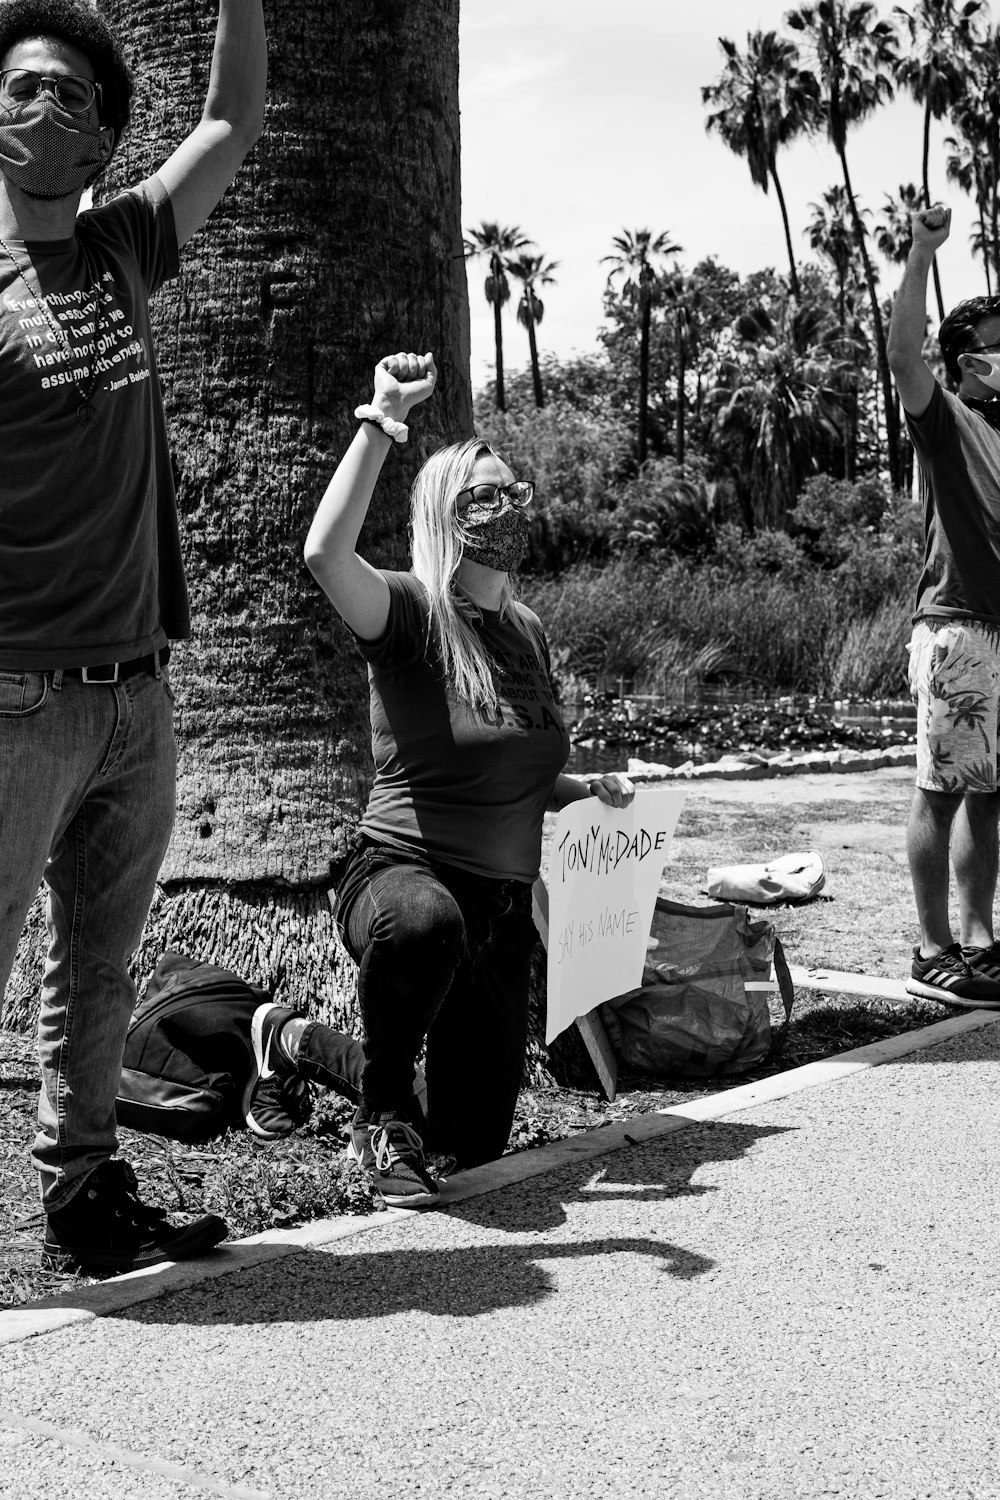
(991, 377)
(46, 151)
(497, 541)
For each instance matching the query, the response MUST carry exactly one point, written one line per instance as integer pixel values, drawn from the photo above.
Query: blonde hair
(437, 547)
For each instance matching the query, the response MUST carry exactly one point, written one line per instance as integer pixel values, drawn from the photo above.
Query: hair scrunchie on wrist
(398, 431)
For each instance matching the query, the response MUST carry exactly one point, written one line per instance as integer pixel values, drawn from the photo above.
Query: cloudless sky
(581, 118)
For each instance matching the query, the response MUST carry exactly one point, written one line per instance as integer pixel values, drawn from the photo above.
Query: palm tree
(496, 242)
(853, 55)
(637, 262)
(265, 345)
(778, 406)
(762, 100)
(831, 234)
(893, 235)
(532, 271)
(942, 36)
(968, 166)
(976, 116)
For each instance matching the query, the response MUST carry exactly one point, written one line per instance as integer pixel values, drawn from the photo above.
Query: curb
(72, 1308)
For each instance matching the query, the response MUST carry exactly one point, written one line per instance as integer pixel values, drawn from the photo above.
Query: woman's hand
(402, 381)
(614, 788)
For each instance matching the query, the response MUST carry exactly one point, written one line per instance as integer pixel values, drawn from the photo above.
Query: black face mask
(48, 152)
(497, 541)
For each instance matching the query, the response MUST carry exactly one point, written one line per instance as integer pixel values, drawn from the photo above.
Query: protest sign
(603, 876)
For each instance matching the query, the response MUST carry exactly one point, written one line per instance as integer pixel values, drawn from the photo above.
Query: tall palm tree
(532, 271)
(496, 242)
(942, 35)
(831, 234)
(637, 264)
(760, 101)
(968, 166)
(853, 55)
(976, 116)
(265, 345)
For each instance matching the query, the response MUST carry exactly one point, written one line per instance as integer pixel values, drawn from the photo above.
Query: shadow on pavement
(472, 1280)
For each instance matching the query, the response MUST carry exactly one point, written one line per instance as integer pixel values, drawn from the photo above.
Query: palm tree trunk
(536, 374)
(927, 202)
(681, 394)
(793, 273)
(333, 247)
(645, 316)
(497, 271)
(892, 435)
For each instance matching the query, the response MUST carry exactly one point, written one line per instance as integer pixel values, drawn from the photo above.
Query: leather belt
(116, 671)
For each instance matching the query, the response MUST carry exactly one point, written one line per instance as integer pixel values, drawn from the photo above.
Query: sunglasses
(490, 498)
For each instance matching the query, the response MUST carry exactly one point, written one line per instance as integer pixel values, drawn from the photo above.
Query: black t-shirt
(466, 787)
(958, 451)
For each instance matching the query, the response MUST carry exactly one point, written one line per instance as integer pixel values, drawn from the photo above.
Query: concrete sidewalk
(787, 1290)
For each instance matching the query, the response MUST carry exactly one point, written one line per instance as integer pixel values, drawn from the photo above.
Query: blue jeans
(443, 955)
(87, 778)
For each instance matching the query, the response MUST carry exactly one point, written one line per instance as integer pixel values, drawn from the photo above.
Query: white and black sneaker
(948, 976)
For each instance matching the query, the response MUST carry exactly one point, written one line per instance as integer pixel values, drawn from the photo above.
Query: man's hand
(402, 381)
(930, 227)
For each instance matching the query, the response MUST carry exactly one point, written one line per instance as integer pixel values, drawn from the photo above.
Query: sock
(290, 1036)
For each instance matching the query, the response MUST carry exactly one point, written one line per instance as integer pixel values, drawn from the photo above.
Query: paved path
(788, 1290)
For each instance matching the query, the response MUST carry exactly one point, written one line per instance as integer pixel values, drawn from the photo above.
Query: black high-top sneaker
(106, 1227)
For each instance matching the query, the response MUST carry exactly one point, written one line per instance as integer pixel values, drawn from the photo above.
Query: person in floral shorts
(954, 664)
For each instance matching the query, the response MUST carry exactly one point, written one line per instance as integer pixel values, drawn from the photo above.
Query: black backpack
(188, 1056)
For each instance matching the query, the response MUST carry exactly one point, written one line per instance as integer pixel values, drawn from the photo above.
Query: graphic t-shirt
(90, 563)
(467, 787)
(959, 456)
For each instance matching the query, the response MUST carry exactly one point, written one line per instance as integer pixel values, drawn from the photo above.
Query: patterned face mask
(46, 151)
(497, 541)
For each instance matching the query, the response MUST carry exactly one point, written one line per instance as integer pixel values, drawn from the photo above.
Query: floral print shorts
(954, 676)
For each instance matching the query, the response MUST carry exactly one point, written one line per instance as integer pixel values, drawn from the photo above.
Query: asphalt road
(796, 1299)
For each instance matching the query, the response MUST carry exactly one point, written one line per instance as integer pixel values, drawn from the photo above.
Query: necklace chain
(85, 412)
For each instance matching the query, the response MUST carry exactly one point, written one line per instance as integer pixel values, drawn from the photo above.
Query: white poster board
(604, 872)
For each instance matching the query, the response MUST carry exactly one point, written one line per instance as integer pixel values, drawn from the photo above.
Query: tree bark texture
(339, 242)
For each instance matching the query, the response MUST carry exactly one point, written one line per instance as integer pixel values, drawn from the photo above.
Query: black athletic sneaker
(106, 1227)
(392, 1153)
(984, 961)
(949, 977)
(276, 1100)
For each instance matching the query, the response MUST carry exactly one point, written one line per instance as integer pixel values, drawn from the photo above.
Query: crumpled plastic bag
(694, 1015)
(790, 877)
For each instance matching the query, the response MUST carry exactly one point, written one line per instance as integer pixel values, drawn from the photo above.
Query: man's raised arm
(908, 325)
(204, 165)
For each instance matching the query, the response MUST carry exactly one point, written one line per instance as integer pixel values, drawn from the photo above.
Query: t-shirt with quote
(90, 563)
(468, 787)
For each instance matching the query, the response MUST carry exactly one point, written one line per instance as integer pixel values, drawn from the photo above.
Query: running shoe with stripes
(949, 977)
(984, 961)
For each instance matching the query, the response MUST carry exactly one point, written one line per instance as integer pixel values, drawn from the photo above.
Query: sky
(581, 118)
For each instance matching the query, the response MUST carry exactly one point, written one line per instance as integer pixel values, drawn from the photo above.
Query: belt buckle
(85, 673)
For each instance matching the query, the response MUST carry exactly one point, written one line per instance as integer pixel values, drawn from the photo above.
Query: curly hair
(74, 21)
(957, 334)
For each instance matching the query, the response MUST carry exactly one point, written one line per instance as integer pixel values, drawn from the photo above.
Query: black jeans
(331, 1059)
(443, 955)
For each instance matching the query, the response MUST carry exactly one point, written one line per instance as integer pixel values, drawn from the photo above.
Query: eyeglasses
(984, 349)
(493, 497)
(75, 94)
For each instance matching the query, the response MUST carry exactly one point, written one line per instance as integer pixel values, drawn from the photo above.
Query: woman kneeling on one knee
(469, 745)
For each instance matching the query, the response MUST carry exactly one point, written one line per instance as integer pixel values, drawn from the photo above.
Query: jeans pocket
(165, 679)
(22, 693)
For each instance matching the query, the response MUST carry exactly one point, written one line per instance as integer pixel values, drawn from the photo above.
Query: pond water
(607, 731)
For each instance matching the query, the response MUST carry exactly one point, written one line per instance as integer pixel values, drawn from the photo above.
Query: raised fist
(402, 381)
